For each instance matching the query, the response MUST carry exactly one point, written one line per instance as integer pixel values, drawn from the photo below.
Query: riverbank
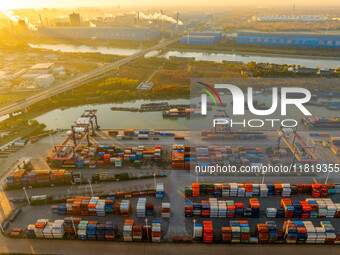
(233, 47)
(250, 53)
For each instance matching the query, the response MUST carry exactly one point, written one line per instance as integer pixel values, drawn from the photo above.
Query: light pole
(146, 226)
(74, 227)
(28, 199)
(263, 174)
(90, 187)
(327, 177)
(196, 177)
(154, 180)
(193, 234)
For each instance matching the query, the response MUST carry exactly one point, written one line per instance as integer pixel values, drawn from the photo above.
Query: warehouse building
(44, 80)
(201, 38)
(289, 39)
(41, 68)
(110, 33)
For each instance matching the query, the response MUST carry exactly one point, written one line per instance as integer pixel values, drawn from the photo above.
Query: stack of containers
(178, 157)
(331, 208)
(127, 230)
(222, 209)
(337, 205)
(188, 209)
(100, 208)
(30, 231)
(188, 191)
(109, 202)
(330, 232)
(270, 188)
(195, 189)
(165, 210)
(249, 189)
(159, 190)
(320, 235)
(272, 233)
(226, 234)
(297, 209)
(263, 190)
(218, 190)
(125, 208)
(197, 209)
(310, 230)
(156, 231)
(149, 208)
(141, 207)
(301, 232)
(137, 233)
(241, 191)
(306, 209)
(290, 231)
(271, 212)
(314, 208)
(207, 232)
(255, 207)
(230, 208)
(225, 190)
(110, 230)
(213, 207)
(39, 228)
(287, 205)
(245, 231)
(82, 227)
(58, 229)
(92, 206)
(286, 190)
(256, 189)
(235, 231)
(233, 189)
(91, 230)
(198, 230)
(322, 208)
(100, 231)
(239, 212)
(48, 230)
(205, 209)
(262, 233)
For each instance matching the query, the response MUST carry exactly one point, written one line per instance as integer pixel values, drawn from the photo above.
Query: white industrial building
(42, 68)
(44, 80)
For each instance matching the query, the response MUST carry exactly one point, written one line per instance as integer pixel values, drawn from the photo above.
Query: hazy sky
(15, 4)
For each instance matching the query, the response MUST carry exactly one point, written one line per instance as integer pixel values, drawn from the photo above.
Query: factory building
(44, 80)
(289, 39)
(41, 68)
(201, 38)
(113, 33)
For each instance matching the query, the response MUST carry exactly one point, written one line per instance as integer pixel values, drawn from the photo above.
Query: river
(204, 56)
(109, 119)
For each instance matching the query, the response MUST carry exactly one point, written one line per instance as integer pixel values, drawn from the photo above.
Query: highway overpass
(80, 80)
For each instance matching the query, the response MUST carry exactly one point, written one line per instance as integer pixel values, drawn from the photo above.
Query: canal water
(109, 119)
(205, 56)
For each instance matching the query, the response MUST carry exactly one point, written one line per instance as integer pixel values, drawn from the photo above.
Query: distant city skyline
(17, 4)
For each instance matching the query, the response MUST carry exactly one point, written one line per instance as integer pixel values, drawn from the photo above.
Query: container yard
(321, 122)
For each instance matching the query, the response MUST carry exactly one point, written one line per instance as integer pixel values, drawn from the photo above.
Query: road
(36, 246)
(77, 81)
